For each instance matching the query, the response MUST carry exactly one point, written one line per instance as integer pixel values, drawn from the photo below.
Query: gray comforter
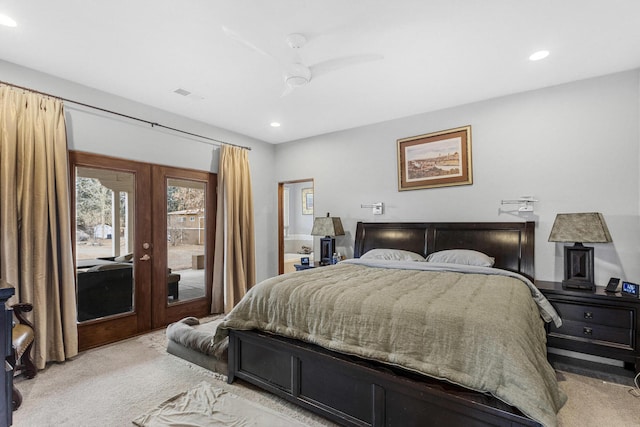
(477, 329)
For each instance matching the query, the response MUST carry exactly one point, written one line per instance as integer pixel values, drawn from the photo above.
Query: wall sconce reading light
(376, 208)
(525, 202)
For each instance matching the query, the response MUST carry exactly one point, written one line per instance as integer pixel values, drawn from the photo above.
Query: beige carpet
(115, 384)
(596, 403)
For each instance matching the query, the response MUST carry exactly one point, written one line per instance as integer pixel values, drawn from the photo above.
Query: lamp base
(578, 268)
(579, 285)
(327, 248)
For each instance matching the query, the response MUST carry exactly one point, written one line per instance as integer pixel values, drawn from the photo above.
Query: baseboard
(601, 371)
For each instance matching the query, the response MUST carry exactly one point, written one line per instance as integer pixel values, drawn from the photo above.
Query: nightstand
(311, 265)
(595, 322)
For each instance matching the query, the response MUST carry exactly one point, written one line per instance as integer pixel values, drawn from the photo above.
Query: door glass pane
(186, 202)
(104, 242)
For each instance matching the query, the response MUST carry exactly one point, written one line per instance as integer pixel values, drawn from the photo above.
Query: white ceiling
(436, 54)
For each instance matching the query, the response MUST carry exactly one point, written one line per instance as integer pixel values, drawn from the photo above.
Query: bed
(368, 342)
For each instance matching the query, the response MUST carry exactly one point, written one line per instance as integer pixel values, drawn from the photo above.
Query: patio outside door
(142, 236)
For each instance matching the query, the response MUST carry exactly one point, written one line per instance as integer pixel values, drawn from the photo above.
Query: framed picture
(438, 159)
(307, 201)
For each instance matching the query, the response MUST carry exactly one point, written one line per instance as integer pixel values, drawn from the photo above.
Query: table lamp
(578, 259)
(328, 227)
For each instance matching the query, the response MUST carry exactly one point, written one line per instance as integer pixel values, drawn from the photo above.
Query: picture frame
(307, 201)
(438, 159)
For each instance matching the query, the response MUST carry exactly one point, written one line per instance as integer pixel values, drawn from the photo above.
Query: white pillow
(392, 254)
(462, 256)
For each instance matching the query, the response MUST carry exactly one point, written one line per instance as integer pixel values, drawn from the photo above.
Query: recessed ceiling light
(275, 124)
(541, 54)
(7, 21)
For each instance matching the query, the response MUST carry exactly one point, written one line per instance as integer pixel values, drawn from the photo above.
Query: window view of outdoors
(185, 239)
(104, 242)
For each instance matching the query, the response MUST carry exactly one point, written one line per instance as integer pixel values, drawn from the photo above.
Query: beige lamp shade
(327, 226)
(580, 227)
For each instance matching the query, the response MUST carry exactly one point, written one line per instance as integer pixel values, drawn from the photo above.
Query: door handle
(145, 257)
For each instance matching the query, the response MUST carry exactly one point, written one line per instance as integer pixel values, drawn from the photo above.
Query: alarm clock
(630, 289)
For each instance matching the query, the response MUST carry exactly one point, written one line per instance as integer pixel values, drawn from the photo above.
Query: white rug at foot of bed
(191, 340)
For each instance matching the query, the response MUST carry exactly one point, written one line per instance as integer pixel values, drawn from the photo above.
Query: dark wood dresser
(6, 324)
(595, 322)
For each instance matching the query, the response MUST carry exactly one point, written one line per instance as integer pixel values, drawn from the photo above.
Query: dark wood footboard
(354, 392)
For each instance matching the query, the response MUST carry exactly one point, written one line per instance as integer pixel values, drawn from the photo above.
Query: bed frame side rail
(356, 393)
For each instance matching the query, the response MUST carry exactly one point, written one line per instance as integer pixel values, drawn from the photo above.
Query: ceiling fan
(295, 72)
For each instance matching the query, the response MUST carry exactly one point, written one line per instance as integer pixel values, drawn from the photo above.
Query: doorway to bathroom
(295, 221)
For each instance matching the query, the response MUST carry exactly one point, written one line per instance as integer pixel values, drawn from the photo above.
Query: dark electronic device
(630, 289)
(612, 285)
(304, 260)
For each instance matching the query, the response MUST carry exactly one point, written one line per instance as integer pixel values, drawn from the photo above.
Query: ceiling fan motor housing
(298, 75)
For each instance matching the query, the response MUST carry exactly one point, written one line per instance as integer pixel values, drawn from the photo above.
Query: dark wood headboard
(510, 243)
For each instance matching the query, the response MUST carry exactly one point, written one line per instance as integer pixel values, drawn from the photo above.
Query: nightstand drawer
(605, 335)
(593, 315)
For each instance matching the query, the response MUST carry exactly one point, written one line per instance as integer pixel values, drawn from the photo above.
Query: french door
(143, 235)
(184, 212)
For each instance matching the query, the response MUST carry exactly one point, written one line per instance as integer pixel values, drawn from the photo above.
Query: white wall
(574, 147)
(96, 132)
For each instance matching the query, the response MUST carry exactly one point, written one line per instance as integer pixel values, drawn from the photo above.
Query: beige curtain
(234, 256)
(35, 236)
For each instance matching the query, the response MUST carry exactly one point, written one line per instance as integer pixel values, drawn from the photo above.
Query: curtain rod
(152, 124)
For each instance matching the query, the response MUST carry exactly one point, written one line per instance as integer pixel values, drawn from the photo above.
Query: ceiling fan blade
(330, 65)
(235, 36)
(287, 90)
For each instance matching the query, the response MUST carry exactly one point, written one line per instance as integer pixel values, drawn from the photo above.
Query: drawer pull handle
(587, 331)
(588, 315)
